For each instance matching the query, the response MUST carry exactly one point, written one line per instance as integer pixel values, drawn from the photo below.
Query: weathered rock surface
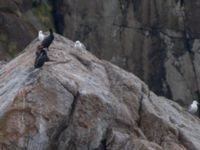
(79, 102)
(157, 40)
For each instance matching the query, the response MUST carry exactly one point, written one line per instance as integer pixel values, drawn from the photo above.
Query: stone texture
(79, 102)
(156, 40)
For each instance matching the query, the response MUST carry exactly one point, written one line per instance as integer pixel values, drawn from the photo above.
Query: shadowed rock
(79, 102)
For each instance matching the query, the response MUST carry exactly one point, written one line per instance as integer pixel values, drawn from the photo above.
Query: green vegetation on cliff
(43, 13)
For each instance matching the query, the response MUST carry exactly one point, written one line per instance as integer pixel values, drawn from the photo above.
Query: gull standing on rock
(193, 107)
(79, 45)
(41, 36)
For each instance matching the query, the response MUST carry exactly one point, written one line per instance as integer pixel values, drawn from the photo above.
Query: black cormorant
(41, 58)
(48, 40)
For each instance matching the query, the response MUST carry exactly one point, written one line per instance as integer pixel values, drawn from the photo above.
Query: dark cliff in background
(20, 21)
(57, 13)
(157, 40)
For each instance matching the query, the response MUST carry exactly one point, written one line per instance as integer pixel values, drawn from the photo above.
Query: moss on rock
(43, 13)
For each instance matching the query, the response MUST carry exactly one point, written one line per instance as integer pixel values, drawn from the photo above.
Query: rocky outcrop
(157, 40)
(19, 24)
(79, 102)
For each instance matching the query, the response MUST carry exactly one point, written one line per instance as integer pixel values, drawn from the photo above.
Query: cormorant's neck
(51, 31)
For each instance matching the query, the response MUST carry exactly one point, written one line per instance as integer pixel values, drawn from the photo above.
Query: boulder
(79, 102)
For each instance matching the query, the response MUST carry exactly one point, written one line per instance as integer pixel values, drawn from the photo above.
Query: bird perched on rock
(79, 45)
(41, 58)
(193, 107)
(41, 36)
(48, 40)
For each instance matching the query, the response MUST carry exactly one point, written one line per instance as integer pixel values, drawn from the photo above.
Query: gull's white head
(40, 32)
(195, 102)
(77, 42)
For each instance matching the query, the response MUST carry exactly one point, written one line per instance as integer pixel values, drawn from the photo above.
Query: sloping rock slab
(78, 102)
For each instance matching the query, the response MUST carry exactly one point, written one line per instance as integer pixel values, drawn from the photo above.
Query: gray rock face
(79, 102)
(157, 40)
